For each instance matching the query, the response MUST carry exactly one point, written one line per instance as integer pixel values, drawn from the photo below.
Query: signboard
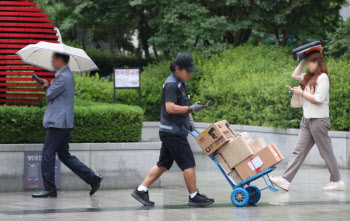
(127, 78)
(32, 171)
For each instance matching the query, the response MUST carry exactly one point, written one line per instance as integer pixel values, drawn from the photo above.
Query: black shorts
(175, 147)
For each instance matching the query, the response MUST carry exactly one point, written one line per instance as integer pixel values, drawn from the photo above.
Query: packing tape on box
(256, 168)
(276, 151)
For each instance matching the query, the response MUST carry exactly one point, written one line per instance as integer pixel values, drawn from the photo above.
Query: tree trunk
(285, 39)
(277, 35)
(286, 28)
(83, 41)
(155, 53)
(229, 37)
(144, 33)
(286, 33)
(242, 36)
(166, 53)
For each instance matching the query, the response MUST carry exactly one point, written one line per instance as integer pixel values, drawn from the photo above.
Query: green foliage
(101, 90)
(172, 26)
(339, 46)
(94, 88)
(94, 122)
(304, 19)
(181, 27)
(106, 61)
(246, 85)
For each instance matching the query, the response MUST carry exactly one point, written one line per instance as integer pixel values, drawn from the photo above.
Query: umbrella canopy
(40, 55)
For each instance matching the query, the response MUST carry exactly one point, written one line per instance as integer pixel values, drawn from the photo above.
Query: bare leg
(153, 175)
(190, 179)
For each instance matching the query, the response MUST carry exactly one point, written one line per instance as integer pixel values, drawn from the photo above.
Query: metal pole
(140, 96)
(114, 95)
(139, 87)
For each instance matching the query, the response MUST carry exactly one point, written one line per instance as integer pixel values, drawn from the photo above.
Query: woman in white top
(314, 126)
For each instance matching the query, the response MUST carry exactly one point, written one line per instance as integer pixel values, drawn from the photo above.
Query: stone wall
(284, 138)
(123, 165)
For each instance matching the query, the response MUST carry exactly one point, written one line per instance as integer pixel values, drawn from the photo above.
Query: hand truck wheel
(240, 197)
(254, 194)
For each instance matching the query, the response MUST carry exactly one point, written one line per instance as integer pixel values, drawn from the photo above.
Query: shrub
(101, 90)
(246, 85)
(107, 60)
(339, 45)
(94, 88)
(94, 122)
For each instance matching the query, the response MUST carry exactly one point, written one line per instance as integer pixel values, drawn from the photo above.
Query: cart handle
(194, 135)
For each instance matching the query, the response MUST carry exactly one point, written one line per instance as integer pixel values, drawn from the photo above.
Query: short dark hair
(172, 67)
(64, 57)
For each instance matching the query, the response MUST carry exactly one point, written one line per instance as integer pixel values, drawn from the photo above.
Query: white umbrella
(40, 55)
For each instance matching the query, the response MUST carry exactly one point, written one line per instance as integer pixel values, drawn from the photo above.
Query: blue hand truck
(243, 193)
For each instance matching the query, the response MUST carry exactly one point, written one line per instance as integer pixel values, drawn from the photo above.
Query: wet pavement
(304, 201)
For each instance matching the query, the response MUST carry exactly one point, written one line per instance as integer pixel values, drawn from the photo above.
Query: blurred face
(312, 66)
(57, 63)
(182, 74)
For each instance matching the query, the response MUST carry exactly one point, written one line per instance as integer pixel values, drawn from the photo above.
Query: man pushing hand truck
(176, 121)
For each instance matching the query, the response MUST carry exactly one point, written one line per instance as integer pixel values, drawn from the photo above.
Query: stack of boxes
(238, 155)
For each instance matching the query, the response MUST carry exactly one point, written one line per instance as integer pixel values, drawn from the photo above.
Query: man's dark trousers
(57, 140)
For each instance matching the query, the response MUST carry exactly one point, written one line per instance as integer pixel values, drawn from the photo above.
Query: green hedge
(246, 85)
(107, 60)
(94, 122)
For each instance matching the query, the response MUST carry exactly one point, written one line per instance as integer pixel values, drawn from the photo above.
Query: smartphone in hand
(290, 88)
(207, 102)
(35, 77)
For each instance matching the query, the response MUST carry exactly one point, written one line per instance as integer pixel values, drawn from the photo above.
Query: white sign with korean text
(127, 78)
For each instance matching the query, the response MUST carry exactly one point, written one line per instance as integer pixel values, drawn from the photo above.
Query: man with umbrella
(59, 114)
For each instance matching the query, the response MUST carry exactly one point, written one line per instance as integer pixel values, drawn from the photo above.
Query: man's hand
(197, 107)
(52, 81)
(46, 83)
(192, 126)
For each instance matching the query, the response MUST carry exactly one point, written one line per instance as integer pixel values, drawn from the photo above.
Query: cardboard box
(236, 179)
(246, 137)
(267, 157)
(231, 173)
(258, 145)
(222, 163)
(215, 136)
(235, 151)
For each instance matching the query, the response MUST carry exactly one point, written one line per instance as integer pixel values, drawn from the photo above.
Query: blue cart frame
(242, 195)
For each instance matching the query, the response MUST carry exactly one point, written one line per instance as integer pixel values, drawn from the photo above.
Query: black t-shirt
(170, 93)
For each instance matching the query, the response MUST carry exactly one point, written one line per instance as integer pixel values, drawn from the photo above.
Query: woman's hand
(52, 81)
(297, 90)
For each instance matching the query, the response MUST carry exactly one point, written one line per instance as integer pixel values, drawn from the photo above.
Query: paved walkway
(305, 201)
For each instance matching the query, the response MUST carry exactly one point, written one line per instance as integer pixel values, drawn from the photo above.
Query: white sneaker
(280, 182)
(334, 186)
